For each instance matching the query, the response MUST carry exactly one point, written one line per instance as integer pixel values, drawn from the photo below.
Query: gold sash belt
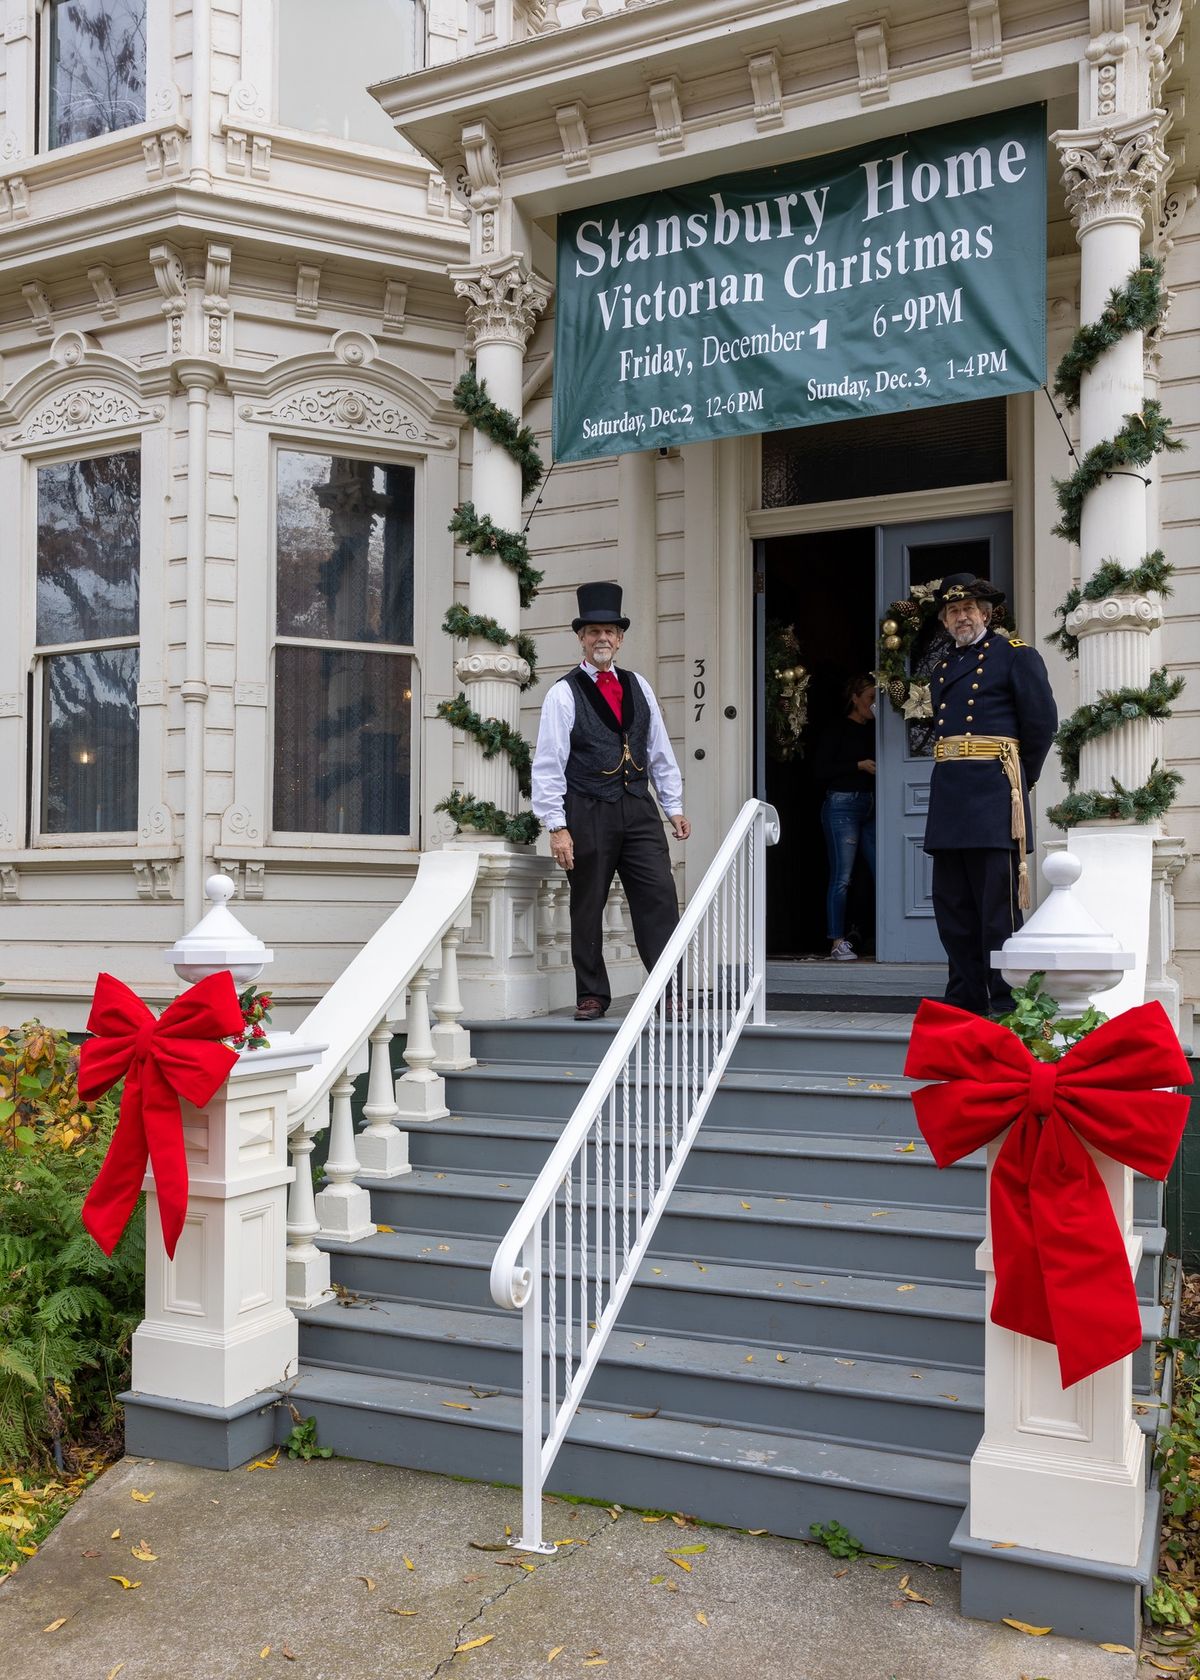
(1008, 751)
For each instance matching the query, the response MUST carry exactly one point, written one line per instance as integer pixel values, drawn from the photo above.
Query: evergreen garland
(1138, 306)
(1152, 573)
(471, 398)
(1141, 438)
(1108, 712)
(1134, 307)
(493, 736)
(460, 623)
(1145, 804)
(486, 818)
(480, 536)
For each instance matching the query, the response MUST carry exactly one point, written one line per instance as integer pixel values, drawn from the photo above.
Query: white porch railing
(570, 1256)
(387, 984)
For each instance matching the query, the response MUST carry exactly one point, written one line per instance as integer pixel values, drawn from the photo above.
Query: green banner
(902, 274)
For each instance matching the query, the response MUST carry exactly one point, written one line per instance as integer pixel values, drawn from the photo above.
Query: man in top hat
(995, 720)
(601, 743)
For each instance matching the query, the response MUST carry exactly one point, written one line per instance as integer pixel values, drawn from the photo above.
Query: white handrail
(369, 988)
(667, 1058)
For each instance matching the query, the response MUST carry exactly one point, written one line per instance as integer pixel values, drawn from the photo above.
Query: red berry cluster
(256, 1009)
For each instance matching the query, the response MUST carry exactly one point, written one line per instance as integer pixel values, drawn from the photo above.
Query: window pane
(89, 532)
(324, 71)
(90, 737)
(97, 68)
(343, 728)
(344, 534)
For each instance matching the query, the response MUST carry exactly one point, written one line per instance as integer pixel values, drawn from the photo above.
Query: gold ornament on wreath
(786, 694)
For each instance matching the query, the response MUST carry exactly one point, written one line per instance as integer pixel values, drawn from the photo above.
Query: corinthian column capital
(1115, 173)
(504, 300)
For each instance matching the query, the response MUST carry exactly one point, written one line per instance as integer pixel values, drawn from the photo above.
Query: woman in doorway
(844, 762)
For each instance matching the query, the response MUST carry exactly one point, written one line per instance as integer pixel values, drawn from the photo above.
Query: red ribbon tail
(114, 1192)
(168, 1157)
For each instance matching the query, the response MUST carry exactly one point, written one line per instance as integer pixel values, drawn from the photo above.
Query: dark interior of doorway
(823, 585)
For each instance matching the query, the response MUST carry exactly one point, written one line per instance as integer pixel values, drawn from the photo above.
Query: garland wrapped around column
(1138, 306)
(481, 536)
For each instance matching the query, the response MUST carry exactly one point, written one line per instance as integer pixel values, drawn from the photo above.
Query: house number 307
(698, 688)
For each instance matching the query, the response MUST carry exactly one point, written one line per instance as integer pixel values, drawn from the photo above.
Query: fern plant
(67, 1311)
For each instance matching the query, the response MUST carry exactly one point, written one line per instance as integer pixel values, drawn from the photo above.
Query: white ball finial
(219, 941)
(1062, 869)
(220, 888)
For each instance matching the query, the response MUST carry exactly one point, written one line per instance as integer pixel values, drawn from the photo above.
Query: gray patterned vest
(608, 758)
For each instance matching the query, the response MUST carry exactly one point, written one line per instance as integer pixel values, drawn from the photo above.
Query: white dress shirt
(549, 774)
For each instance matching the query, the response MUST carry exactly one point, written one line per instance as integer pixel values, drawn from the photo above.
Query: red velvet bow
(177, 1055)
(1062, 1272)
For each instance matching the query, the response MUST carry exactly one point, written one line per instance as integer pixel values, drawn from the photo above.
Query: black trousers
(975, 906)
(617, 837)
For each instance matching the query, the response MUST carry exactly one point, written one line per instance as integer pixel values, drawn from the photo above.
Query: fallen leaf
(657, 1580)
(390, 1230)
(657, 1270)
(853, 1081)
(556, 1652)
(443, 1248)
(113, 1672)
(289, 1656)
(780, 1360)
(1023, 1627)
(115, 1535)
(875, 1085)
(265, 1652)
(689, 1551)
(615, 1511)
(458, 1405)
(409, 1564)
(379, 1528)
(915, 1597)
(654, 1413)
(367, 1582)
(89, 1554)
(843, 1362)
(746, 1205)
(838, 1573)
(393, 1611)
(905, 1149)
(947, 1396)
(662, 1517)
(681, 1563)
(758, 1531)
(698, 1266)
(143, 1553)
(1003, 1545)
(1164, 1667)
(124, 1581)
(54, 1626)
(142, 1498)
(680, 1521)
(749, 1359)
(639, 1344)
(702, 1618)
(488, 1545)
(268, 1463)
(903, 1288)
(1118, 1650)
(482, 1393)
(882, 1566)
(882, 1213)
(474, 1644)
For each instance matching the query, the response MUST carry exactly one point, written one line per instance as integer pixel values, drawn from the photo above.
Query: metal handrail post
(759, 940)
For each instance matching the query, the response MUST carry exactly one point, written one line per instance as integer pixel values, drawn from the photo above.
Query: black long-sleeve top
(837, 753)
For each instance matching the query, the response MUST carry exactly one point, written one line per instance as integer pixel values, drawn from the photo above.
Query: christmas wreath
(911, 634)
(786, 693)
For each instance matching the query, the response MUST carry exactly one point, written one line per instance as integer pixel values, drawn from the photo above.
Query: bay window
(86, 660)
(343, 687)
(93, 68)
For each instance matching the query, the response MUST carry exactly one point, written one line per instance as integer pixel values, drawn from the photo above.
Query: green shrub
(67, 1311)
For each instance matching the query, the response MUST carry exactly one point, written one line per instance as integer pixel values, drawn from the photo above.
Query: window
(324, 72)
(343, 652)
(94, 68)
(88, 549)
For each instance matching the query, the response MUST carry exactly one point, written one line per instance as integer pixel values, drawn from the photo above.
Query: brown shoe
(590, 1009)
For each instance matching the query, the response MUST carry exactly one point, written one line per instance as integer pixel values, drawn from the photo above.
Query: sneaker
(843, 951)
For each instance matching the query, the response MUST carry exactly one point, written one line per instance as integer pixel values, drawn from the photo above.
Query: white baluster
(343, 1207)
(551, 20)
(382, 1146)
(613, 926)
(562, 921)
(420, 1093)
(547, 931)
(307, 1266)
(451, 1040)
(593, 9)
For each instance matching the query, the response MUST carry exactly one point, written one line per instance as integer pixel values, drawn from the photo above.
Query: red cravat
(609, 685)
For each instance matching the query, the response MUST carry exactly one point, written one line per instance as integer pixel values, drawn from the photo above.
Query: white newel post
(218, 1328)
(1060, 1471)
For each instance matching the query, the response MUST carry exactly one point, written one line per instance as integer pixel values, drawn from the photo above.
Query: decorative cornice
(1115, 173)
(874, 72)
(987, 41)
(766, 90)
(504, 300)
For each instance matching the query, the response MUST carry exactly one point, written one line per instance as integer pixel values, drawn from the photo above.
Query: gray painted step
(872, 1318)
(893, 1502)
(926, 1410)
(929, 1244)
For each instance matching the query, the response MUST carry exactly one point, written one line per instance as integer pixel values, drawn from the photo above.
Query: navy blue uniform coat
(996, 687)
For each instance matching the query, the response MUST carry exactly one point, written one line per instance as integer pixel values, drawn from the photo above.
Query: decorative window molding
(80, 392)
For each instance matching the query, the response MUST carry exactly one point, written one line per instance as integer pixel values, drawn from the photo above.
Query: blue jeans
(848, 820)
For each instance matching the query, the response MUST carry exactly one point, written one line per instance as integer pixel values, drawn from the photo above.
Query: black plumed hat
(964, 586)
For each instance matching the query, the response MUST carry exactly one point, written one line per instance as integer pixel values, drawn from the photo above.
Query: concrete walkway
(314, 1560)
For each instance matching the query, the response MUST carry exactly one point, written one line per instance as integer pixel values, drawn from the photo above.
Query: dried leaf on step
(850, 1081)
(378, 1528)
(654, 1413)
(657, 1270)
(702, 1618)
(474, 1644)
(878, 1085)
(55, 1625)
(662, 1517)
(115, 1535)
(482, 1393)
(615, 1511)
(388, 1230)
(1118, 1650)
(746, 1205)
(594, 1662)
(1023, 1627)
(749, 1359)
(265, 1652)
(113, 1672)
(142, 1498)
(844, 1362)
(1003, 1545)
(458, 1405)
(125, 1582)
(916, 1597)
(758, 1531)
(947, 1396)
(881, 1213)
(556, 1652)
(903, 1288)
(143, 1553)
(409, 1564)
(905, 1149)
(698, 1266)
(889, 1565)
(657, 1580)
(680, 1563)
(488, 1545)
(838, 1573)
(366, 1581)
(260, 1463)
(779, 1359)
(288, 1655)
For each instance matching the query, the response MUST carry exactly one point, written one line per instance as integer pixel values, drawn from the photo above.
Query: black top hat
(964, 586)
(599, 603)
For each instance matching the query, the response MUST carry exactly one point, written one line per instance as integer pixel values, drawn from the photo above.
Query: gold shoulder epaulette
(1015, 641)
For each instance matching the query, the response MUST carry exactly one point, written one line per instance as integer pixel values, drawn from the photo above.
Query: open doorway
(822, 585)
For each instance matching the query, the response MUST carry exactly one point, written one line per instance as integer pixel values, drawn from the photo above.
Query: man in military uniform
(601, 743)
(995, 720)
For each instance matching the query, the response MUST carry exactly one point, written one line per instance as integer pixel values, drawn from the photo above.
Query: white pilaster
(218, 1328)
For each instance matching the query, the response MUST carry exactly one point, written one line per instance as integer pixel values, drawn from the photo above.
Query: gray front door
(908, 554)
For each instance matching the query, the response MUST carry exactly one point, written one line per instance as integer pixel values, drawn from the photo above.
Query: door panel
(908, 554)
